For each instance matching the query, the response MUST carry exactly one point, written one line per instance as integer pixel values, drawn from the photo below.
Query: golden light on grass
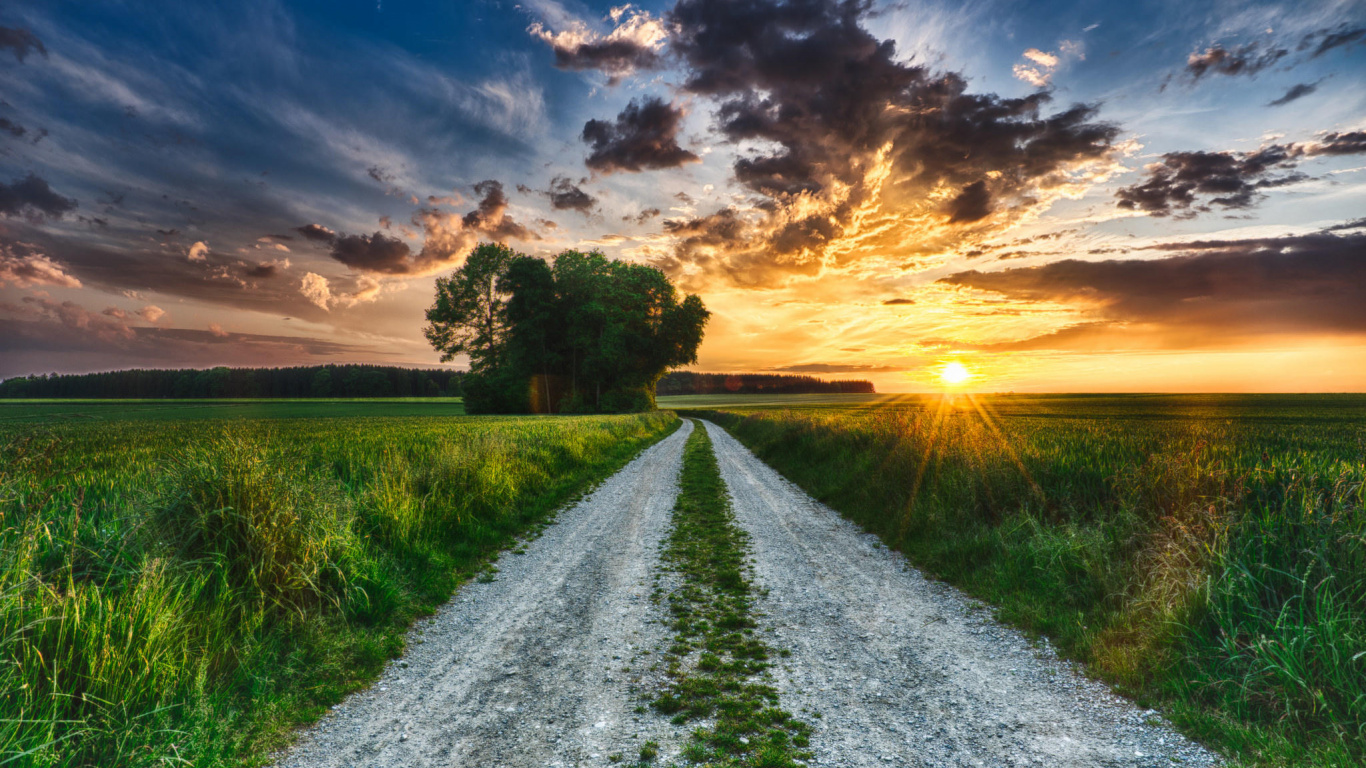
(954, 374)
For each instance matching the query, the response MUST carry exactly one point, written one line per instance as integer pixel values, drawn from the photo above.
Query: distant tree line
(306, 381)
(577, 334)
(686, 383)
(363, 381)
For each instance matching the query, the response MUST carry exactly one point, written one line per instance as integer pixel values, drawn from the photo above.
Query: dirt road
(909, 672)
(526, 670)
(530, 670)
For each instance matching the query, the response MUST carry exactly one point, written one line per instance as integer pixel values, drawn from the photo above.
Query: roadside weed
(1204, 552)
(716, 661)
(177, 595)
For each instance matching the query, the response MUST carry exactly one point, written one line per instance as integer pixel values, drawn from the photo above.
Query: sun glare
(954, 373)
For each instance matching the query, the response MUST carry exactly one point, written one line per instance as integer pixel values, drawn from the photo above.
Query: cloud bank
(1185, 184)
(1214, 293)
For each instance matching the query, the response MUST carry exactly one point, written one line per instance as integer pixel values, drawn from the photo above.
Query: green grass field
(1206, 553)
(183, 582)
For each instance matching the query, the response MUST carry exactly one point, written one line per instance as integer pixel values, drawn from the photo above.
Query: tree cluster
(578, 334)
(301, 382)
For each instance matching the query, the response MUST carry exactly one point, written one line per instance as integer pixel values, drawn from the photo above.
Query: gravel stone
(531, 668)
(527, 670)
(911, 672)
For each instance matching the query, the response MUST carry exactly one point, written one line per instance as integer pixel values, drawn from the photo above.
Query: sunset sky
(1060, 196)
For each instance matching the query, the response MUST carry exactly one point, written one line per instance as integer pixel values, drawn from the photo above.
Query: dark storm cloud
(723, 225)
(1354, 224)
(1350, 143)
(1214, 291)
(317, 233)
(1226, 179)
(643, 137)
(698, 237)
(372, 253)
(606, 55)
(264, 270)
(632, 45)
(20, 42)
(565, 195)
(32, 197)
(972, 204)
(12, 128)
(1251, 58)
(616, 57)
(1341, 36)
(643, 216)
(1246, 59)
(490, 216)
(1187, 183)
(1296, 92)
(447, 237)
(836, 101)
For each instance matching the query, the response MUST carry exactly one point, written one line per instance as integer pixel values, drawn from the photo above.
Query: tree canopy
(578, 334)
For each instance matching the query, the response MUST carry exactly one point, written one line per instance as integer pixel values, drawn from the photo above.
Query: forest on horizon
(363, 381)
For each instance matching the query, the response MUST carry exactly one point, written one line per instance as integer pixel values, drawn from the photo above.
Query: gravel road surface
(527, 670)
(909, 672)
(530, 670)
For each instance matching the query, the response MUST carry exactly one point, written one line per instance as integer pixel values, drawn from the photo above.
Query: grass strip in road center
(717, 659)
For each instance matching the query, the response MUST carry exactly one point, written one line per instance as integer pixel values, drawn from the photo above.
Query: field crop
(1207, 553)
(183, 591)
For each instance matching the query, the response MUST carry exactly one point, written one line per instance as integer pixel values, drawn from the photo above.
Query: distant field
(1201, 407)
(1138, 406)
(1206, 551)
(772, 401)
(181, 582)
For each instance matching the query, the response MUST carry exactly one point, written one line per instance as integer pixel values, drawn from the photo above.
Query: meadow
(1202, 553)
(183, 582)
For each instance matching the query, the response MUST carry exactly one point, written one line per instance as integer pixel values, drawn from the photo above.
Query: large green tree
(584, 334)
(469, 315)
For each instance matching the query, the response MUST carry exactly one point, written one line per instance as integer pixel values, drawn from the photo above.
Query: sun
(954, 373)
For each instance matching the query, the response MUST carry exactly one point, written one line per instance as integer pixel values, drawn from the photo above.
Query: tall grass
(170, 596)
(1212, 558)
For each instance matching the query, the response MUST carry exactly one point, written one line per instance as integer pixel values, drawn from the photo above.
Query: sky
(1057, 196)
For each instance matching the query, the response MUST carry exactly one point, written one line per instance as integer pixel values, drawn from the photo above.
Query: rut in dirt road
(527, 670)
(909, 672)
